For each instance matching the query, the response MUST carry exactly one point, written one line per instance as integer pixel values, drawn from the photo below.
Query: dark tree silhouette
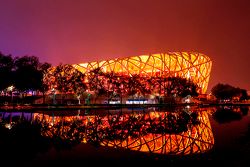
(226, 91)
(28, 74)
(177, 86)
(6, 71)
(44, 87)
(226, 115)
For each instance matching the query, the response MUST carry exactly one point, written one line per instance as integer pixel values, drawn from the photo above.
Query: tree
(177, 86)
(78, 84)
(134, 86)
(44, 87)
(116, 85)
(62, 76)
(96, 82)
(6, 71)
(244, 95)
(24, 73)
(112, 85)
(65, 79)
(28, 74)
(226, 91)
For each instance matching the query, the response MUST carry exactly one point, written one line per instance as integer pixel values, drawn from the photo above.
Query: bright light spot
(10, 88)
(8, 126)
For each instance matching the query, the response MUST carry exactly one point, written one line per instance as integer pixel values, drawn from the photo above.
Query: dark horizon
(63, 31)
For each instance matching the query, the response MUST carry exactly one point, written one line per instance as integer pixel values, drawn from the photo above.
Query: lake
(128, 136)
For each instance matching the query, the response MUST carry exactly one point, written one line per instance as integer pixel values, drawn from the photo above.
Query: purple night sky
(77, 31)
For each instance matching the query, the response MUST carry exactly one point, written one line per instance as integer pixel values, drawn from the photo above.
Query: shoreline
(112, 106)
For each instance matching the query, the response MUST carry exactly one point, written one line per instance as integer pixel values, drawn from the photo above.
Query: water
(175, 137)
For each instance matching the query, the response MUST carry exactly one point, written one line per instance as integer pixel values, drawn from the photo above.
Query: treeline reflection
(226, 114)
(164, 132)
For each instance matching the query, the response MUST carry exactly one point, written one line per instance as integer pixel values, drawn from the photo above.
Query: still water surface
(175, 137)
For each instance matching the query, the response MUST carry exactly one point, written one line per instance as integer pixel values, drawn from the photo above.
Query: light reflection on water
(180, 132)
(218, 136)
(183, 131)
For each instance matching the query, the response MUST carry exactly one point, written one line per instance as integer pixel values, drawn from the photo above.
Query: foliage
(27, 75)
(44, 88)
(229, 114)
(244, 95)
(24, 73)
(96, 82)
(6, 68)
(65, 79)
(226, 91)
(181, 87)
(135, 85)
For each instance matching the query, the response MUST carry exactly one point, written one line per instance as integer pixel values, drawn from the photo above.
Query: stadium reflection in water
(181, 132)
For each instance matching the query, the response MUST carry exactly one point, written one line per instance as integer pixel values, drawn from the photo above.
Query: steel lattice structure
(197, 139)
(190, 65)
(131, 131)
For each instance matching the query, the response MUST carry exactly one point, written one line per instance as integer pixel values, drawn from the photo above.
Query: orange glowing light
(197, 139)
(190, 65)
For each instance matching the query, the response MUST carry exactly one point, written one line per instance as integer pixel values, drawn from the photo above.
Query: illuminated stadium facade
(190, 65)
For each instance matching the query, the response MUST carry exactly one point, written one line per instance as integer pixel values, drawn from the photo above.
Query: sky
(78, 31)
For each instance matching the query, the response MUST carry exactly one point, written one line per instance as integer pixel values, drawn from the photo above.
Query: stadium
(190, 65)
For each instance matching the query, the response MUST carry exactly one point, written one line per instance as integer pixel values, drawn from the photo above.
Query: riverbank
(112, 106)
